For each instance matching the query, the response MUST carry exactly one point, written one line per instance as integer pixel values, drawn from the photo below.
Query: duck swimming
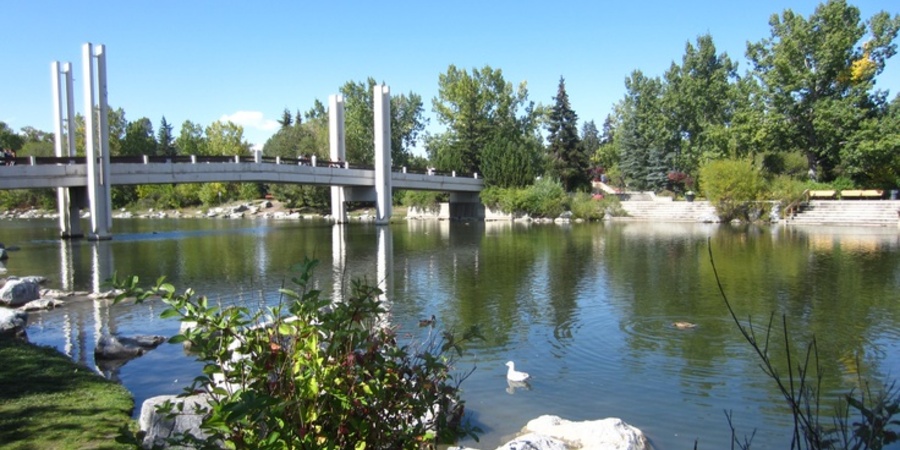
(684, 325)
(514, 375)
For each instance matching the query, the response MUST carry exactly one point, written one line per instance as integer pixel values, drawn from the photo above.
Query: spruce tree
(568, 160)
(165, 141)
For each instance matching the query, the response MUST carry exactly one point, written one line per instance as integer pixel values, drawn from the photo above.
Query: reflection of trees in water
(826, 291)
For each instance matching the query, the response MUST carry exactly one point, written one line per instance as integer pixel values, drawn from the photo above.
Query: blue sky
(247, 61)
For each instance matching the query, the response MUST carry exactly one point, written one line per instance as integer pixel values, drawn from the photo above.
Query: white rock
(605, 434)
(533, 441)
(158, 426)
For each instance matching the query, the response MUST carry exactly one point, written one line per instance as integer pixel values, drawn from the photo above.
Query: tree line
(806, 112)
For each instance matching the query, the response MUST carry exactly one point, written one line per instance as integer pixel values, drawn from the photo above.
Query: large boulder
(110, 347)
(534, 441)
(604, 434)
(178, 420)
(12, 323)
(19, 291)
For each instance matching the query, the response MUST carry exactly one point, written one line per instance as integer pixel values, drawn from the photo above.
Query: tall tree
(191, 140)
(641, 136)
(590, 138)
(286, 118)
(568, 160)
(9, 138)
(139, 138)
(226, 139)
(407, 121)
(698, 102)
(165, 141)
(511, 160)
(819, 75)
(474, 107)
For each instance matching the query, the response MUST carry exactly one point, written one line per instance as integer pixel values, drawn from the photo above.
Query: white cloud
(251, 119)
(257, 129)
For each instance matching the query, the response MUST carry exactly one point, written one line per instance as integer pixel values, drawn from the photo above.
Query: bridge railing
(197, 159)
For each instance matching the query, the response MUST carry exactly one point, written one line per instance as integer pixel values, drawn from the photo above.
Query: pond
(587, 309)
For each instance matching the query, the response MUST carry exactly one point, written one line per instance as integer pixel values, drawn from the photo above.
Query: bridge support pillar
(337, 152)
(465, 205)
(97, 154)
(383, 189)
(68, 207)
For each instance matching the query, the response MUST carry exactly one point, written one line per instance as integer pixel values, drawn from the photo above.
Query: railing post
(237, 158)
(312, 160)
(193, 159)
(146, 159)
(476, 175)
(403, 169)
(277, 160)
(453, 174)
(32, 160)
(257, 156)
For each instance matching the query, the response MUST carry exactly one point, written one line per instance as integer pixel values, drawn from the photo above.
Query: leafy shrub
(545, 198)
(733, 186)
(213, 193)
(249, 191)
(585, 206)
(507, 200)
(317, 374)
(163, 196)
(841, 183)
(26, 198)
(787, 190)
(424, 200)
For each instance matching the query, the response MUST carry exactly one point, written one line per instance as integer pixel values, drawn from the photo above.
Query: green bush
(585, 206)
(734, 187)
(213, 193)
(424, 200)
(250, 191)
(27, 198)
(787, 191)
(507, 200)
(316, 374)
(545, 198)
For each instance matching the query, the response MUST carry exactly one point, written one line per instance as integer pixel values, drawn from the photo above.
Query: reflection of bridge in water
(85, 320)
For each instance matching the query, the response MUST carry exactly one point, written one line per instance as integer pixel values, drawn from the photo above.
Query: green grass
(47, 401)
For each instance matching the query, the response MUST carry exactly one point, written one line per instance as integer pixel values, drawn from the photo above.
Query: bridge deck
(32, 173)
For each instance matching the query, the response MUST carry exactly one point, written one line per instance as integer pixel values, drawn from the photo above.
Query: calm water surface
(586, 309)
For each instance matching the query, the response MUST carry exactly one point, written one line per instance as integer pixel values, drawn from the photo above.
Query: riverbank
(264, 209)
(49, 401)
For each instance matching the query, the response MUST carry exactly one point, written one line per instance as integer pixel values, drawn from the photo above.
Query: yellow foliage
(862, 69)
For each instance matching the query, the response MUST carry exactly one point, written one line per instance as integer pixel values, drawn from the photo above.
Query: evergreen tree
(286, 118)
(165, 141)
(510, 161)
(590, 138)
(568, 160)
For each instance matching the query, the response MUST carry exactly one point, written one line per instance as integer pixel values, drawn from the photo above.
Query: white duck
(514, 375)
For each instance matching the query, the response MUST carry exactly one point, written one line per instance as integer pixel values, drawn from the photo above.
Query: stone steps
(816, 212)
(848, 212)
(669, 211)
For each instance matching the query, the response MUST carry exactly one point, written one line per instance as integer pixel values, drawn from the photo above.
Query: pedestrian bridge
(356, 182)
(59, 172)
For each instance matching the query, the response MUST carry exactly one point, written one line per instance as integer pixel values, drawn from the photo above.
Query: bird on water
(514, 375)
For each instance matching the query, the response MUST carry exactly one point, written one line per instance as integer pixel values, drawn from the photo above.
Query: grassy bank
(47, 401)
